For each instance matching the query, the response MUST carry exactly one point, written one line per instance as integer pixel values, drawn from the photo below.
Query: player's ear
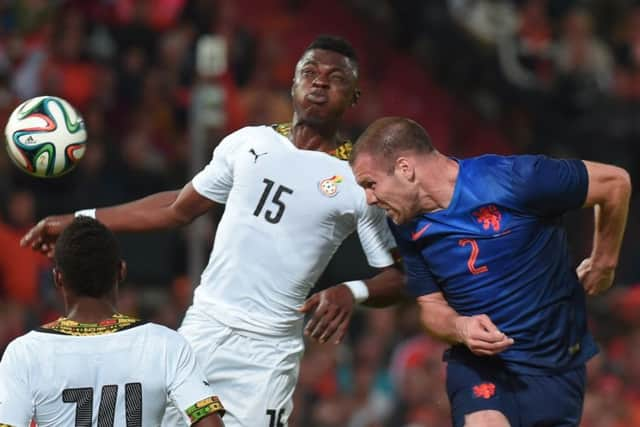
(57, 278)
(356, 96)
(405, 167)
(122, 272)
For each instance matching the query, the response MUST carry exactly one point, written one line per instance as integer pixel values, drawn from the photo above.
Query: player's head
(87, 259)
(384, 161)
(325, 83)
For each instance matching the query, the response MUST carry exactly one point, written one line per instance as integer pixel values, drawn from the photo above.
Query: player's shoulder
(160, 330)
(261, 135)
(491, 169)
(164, 333)
(520, 167)
(502, 162)
(250, 132)
(24, 345)
(489, 161)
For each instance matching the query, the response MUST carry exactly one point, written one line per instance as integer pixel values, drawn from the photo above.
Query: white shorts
(254, 376)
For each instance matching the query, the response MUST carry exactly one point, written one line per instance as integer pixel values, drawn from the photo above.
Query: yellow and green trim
(204, 408)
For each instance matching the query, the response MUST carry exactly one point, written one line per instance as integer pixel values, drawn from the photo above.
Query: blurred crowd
(560, 77)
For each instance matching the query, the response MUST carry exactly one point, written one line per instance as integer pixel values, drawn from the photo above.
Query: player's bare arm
(609, 193)
(212, 420)
(477, 332)
(332, 308)
(155, 212)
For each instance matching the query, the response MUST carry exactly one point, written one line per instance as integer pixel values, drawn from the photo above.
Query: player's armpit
(206, 413)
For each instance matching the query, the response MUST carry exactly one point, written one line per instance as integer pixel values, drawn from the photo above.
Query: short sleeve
(189, 391)
(216, 179)
(420, 280)
(375, 237)
(549, 186)
(16, 402)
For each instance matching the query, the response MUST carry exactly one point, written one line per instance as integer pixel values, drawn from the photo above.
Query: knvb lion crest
(489, 216)
(484, 390)
(329, 186)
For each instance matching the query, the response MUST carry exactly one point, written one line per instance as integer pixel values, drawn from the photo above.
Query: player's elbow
(609, 185)
(619, 185)
(179, 219)
(624, 181)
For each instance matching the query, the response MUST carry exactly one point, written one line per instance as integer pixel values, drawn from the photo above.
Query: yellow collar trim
(342, 152)
(115, 323)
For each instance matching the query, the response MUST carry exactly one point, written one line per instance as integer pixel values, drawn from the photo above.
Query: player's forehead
(364, 169)
(327, 58)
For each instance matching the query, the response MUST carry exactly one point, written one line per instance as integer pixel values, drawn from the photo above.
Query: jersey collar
(342, 151)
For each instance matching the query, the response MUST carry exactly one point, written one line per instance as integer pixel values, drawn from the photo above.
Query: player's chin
(320, 112)
(396, 217)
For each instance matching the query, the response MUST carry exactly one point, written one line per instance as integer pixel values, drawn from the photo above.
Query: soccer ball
(45, 136)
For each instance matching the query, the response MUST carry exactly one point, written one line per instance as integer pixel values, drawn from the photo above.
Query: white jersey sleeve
(216, 179)
(188, 388)
(16, 404)
(375, 236)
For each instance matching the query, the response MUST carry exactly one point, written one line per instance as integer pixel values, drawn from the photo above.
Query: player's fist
(332, 309)
(481, 335)
(43, 235)
(595, 279)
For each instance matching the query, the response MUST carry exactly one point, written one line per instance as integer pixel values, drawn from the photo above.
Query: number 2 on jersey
(269, 215)
(471, 262)
(83, 398)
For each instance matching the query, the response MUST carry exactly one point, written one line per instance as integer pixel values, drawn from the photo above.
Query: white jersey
(122, 378)
(287, 212)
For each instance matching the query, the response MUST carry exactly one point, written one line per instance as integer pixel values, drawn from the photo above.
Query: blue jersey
(500, 249)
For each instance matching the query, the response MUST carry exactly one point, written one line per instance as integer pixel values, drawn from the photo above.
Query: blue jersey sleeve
(549, 186)
(420, 280)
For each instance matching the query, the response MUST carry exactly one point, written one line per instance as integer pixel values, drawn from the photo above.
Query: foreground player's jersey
(287, 211)
(117, 373)
(500, 249)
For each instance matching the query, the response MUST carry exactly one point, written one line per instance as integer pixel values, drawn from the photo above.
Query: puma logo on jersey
(256, 155)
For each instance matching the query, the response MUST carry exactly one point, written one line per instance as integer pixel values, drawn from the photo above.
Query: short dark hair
(388, 137)
(334, 44)
(88, 256)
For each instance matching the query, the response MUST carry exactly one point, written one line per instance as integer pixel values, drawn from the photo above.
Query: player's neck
(90, 310)
(312, 136)
(438, 183)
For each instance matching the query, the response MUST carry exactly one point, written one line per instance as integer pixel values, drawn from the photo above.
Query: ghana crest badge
(329, 186)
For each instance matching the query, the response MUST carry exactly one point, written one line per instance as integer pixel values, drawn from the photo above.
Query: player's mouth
(317, 97)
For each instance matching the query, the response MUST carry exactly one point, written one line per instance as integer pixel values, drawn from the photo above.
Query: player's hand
(594, 279)
(42, 237)
(481, 335)
(332, 309)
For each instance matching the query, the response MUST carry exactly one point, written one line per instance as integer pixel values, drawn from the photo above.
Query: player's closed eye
(309, 72)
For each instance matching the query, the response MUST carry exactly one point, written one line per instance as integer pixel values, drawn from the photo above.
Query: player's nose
(321, 81)
(371, 197)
